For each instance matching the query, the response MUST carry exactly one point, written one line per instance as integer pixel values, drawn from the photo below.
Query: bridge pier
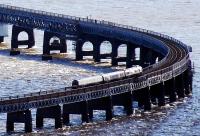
(144, 58)
(96, 52)
(180, 86)
(104, 103)
(125, 100)
(16, 30)
(171, 89)
(146, 98)
(49, 112)
(1, 39)
(130, 55)
(58, 44)
(142, 96)
(187, 83)
(157, 93)
(19, 117)
(115, 44)
(161, 94)
(79, 46)
(75, 108)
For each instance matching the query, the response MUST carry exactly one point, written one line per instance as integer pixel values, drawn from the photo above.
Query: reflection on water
(26, 73)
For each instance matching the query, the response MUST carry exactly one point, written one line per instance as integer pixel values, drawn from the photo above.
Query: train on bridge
(162, 70)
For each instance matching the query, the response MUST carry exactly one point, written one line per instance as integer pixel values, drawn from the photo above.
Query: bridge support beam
(171, 89)
(158, 92)
(125, 100)
(96, 51)
(161, 94)
(49, 112)
(146, 99)
(142, 96)
(19, 117)
(58, 44)
(115, 45)
(15, 42)
(187, 83)
(180, 86)
(75, 108)
(145, 56)
(1, 39)
(130, 55)
(79, 46)
(104, 103)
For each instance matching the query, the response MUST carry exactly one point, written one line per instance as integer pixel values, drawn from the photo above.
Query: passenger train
(113, 76)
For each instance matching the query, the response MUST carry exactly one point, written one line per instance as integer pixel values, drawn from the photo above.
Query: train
(113, 76)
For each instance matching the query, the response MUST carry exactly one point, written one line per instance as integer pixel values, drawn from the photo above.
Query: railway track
(175, 54)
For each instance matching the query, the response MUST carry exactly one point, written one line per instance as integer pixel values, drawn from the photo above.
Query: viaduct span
(170, 77)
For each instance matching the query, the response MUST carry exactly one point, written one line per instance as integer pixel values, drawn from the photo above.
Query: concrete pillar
(146, 99)
(186, 80)
(190, 75)
(190, 80)
(180, 86)
(104, 103)
(143, 97)
(128, 103)
(96, 52)
(138, 96)
(14, 39)
(47, 46)
(145, 56)
(130, 55)
(157, 93)
(49, 112)
(1, 39)
(19, 117)
(115, 46)
(124, 99)
(76, 108)
(171, 85)
(79, 52)
(15, 42)
(161, 94)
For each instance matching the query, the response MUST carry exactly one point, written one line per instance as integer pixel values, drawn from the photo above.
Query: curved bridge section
(165, 81)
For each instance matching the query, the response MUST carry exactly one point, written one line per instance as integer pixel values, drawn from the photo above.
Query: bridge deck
(173, 64)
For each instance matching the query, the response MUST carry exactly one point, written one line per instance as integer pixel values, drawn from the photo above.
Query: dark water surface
(26, 73)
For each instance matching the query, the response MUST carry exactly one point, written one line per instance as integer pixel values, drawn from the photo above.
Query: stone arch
(23, 35)
(54, 39)
(87, 46)
(106, 47)
(137, 53)
(122, 50)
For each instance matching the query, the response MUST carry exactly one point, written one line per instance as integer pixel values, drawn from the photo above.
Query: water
(179, 19)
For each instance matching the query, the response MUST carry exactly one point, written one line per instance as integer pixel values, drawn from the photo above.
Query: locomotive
(113, 76)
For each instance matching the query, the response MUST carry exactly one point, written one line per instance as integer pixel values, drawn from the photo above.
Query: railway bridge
(166, 67)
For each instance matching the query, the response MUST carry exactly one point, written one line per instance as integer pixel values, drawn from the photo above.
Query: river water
(27, 73)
